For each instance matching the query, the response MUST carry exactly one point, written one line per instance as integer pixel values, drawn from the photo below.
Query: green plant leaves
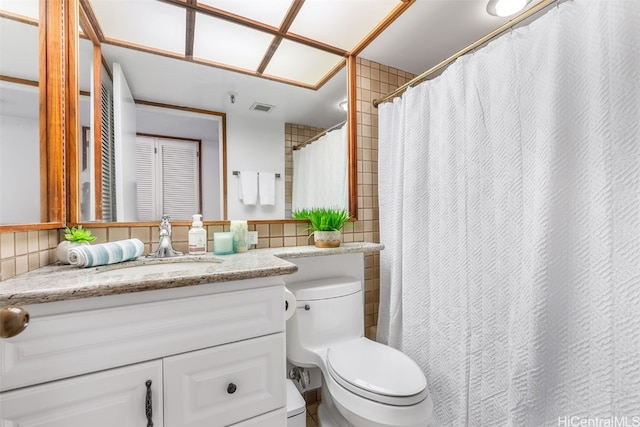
(323, 219)
(79, 235)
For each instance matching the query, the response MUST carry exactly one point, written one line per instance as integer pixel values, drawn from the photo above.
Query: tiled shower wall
(24, 251)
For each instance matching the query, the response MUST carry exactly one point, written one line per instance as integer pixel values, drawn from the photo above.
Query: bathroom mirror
(256, 110)
(19, 122)
(26, 186)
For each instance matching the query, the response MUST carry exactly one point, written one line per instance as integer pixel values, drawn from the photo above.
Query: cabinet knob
(13, 320)
(231, 388)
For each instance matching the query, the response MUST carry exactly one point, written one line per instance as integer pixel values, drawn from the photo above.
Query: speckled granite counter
(63, 282)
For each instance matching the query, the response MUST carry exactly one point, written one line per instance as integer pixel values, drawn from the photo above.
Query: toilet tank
(328, 311)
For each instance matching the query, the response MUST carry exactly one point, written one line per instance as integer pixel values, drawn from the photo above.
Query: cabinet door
(106, 399)
(225, 385)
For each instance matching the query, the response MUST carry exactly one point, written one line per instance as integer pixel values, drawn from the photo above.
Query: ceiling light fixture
(344, 105)
(505, 7)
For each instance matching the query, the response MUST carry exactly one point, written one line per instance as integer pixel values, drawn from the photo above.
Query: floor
(313, 400)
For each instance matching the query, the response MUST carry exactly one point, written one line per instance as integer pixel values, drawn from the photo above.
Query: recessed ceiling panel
(295, 61)
(222, 42)
(144, 22)
(340, 23)
(270, 12)
(27, 8)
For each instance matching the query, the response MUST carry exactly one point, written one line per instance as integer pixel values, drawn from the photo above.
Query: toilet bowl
(365, 383)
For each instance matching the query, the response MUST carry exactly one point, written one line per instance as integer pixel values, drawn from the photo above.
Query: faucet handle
(165, 224)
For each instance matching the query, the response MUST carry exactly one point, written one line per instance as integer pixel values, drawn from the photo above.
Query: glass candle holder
(223, 243)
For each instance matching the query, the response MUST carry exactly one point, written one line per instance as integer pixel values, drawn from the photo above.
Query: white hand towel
(267, 185)
(248, 187)
(105, 253)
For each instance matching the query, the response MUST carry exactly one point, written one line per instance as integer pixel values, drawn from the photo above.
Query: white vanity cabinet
(214, 355)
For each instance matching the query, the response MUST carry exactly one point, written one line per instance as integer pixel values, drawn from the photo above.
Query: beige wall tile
(34, 260)
(22, 264)
(180, 233)
(7, 245)
(276, 230)
(7, 269)
(118, 233)
(53, 239)
(32, 241)
(101, 235)
(43, 258)
(142, 233)
(22, 243)
(43, 239)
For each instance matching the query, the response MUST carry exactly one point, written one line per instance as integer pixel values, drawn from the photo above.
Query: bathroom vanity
(199, 344)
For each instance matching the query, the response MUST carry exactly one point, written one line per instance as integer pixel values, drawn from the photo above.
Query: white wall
(19, 170)
(124, 115)
(254, 143)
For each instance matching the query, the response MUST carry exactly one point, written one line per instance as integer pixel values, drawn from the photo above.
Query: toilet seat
(377, 372)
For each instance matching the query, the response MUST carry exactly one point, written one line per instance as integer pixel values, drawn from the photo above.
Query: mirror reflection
(19, 116)
(257, 115)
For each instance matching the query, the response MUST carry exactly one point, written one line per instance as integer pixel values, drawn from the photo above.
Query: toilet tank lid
(331, 287)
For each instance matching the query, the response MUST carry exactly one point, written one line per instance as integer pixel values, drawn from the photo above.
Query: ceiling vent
(265, 108)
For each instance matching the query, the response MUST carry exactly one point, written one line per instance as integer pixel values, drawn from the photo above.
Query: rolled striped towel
(105, 253)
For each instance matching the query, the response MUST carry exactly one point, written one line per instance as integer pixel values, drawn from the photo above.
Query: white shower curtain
(320, 172)
(510, 211)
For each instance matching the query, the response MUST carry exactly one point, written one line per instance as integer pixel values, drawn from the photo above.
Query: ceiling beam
(284, 27)
(191, 30)
(207, 63)
(92, 20)
(383, 25)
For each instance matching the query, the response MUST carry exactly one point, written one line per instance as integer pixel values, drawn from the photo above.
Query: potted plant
(326, 224)
(74, 236)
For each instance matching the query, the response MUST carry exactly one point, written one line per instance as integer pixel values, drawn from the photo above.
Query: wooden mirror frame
(53, 56)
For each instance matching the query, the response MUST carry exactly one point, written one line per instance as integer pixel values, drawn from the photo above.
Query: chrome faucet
(165, 249)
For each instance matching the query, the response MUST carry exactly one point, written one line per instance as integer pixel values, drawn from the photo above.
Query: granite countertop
(63, 282)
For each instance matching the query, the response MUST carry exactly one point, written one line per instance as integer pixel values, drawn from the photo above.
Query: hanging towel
(105, 253)
(248, 187)
(267, 185)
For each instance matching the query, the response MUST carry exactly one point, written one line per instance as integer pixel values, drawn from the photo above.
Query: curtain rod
(320, 135)
(521, 17)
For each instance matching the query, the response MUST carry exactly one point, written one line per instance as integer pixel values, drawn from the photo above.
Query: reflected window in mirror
(20, 181)
(168, 177)
(181, 166)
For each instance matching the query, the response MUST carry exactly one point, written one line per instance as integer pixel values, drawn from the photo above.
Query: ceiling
(302, 42)
(196, 52)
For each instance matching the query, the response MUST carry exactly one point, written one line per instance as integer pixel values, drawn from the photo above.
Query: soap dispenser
(197, 237)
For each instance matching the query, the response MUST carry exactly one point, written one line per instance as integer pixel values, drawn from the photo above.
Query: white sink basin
(161, 266)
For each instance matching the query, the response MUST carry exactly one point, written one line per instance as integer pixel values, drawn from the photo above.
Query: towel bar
(236, 173)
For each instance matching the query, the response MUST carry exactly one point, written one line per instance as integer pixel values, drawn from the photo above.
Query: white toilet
(365, 383)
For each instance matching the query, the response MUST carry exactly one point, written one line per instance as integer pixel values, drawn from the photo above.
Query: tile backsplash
(24, 251)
